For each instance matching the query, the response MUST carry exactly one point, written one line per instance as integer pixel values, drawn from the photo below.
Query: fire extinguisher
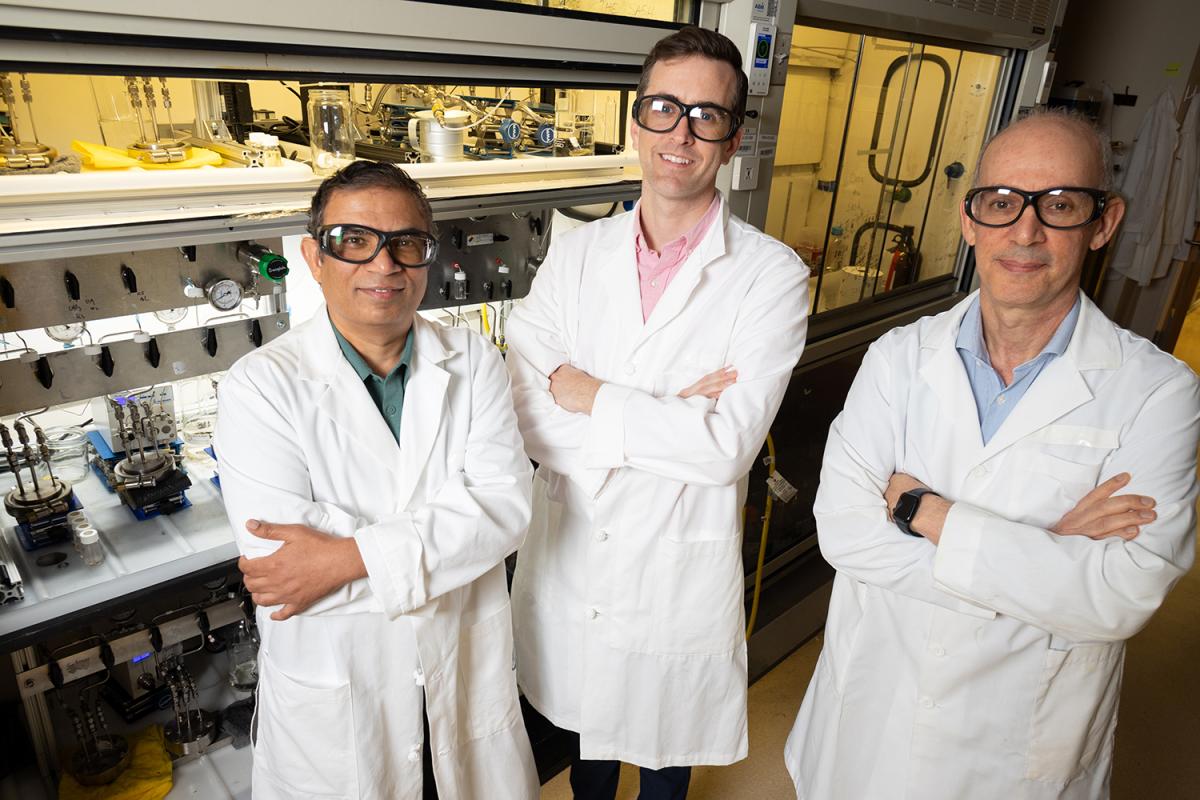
(899, 273)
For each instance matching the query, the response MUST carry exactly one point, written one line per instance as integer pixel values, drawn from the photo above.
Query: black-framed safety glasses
(358, 244)
(708, 122)
(1062, 207)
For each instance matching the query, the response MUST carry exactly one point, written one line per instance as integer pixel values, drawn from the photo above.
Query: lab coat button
(939, 651)
(391, 411)
(602, 536)
(593, 613)
(630, 368)
(926, 702)
(414, 755)
(419, 677)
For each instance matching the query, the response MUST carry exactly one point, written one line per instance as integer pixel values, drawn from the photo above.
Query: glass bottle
(330, 134)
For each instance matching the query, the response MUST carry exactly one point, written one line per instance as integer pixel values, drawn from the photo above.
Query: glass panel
(878, 141)
(657, 10)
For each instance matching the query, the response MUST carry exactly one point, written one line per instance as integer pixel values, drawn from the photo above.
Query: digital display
(762, 51)
(139, 659)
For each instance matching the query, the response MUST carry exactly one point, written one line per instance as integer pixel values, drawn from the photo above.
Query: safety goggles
(707, 121)
(358, 244)
(1062, 207)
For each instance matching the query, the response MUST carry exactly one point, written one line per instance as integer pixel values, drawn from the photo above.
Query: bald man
(1008, 496)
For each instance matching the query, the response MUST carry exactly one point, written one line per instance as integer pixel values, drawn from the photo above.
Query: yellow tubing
(487, 327)
(762, 545)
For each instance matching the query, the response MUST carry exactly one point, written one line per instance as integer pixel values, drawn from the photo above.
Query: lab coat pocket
(1074, 712)
(683, 371)
(698, 596)
(486, 677)
(305, 735)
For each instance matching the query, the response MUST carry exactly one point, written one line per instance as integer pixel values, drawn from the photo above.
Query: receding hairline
(1072, 122)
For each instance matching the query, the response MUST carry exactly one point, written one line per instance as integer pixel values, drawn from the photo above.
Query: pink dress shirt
(657, 269)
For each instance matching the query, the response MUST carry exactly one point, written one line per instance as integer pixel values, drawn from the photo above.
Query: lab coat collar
(1059, 389)
(345, 400)
(683, 285)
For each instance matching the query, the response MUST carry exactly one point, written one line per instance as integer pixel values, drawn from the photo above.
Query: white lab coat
(990, 665)
(1138, 246)
(1183, 203)
(300, 441)
(628, 595)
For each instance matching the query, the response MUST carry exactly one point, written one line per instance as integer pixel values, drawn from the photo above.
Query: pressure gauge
(171, 316)
(66, 333)
(224, 294)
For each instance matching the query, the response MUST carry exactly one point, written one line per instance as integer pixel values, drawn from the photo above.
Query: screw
(279, 324)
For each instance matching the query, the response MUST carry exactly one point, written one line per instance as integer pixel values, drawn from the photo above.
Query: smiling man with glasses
(374, 477)
(1008, 496)
(648, 362)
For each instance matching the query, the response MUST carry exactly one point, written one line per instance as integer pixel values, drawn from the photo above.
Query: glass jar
(330, 130)
(68, 453)
(90, 548)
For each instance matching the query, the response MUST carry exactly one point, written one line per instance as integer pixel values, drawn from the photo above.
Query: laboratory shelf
(139, 556)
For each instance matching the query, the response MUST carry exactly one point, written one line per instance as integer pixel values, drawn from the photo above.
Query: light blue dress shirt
(993, 399)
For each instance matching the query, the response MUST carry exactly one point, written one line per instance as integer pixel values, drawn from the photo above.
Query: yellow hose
(487, 327)
(762, 545)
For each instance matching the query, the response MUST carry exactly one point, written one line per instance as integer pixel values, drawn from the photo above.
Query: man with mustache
(1007, 496)
(374, 477)
(628, 595)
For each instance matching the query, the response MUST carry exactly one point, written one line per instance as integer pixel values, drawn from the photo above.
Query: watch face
(906, 507)
(171, 316)
(66, 333)
(225, 294)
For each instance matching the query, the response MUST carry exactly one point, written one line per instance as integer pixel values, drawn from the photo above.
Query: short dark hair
(367, 175)
(693, 41)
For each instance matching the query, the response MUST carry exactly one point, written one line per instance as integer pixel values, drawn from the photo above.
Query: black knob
(256, 333)
(7, 295)
(129, 278)
(210, 341)
(106, 361)
(72, 284)
(152, 354)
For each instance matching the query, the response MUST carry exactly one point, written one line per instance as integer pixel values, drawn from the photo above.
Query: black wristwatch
(907, 507)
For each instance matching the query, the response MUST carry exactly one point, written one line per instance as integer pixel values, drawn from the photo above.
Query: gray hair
(1068, 118)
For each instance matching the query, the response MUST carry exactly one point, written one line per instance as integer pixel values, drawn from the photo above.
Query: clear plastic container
(243, 659)
(90, 548)
(330, 132)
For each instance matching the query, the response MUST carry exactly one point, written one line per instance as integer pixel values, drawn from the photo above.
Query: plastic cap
(89, 536)
(836, 230)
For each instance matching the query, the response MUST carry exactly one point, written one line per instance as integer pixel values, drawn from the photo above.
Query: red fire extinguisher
(899, 273)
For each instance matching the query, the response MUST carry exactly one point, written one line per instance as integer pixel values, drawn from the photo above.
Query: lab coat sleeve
(853, 529)
(1073, 586)
(264, 476)
(695, 440)
(539, 343)
(478, 516)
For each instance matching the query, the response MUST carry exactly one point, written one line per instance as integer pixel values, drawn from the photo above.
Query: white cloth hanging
(1145, 187)
(1183, 207)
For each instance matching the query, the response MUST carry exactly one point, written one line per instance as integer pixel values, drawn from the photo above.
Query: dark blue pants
(597, 780)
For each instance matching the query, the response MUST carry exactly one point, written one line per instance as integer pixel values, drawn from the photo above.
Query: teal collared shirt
(386, 392)
(993, 399)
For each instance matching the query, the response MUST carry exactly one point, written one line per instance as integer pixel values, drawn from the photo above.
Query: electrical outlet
(745, 173)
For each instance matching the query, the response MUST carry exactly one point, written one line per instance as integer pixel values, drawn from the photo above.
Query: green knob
(273, 266)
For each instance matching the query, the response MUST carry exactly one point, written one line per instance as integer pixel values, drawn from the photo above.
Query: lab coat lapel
(343, 398)
(618, 281)
(684, 284)
(424, 407)
(946, 377)
(1061, 386)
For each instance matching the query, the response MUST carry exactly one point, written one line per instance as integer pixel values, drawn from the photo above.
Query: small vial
(89, 547)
